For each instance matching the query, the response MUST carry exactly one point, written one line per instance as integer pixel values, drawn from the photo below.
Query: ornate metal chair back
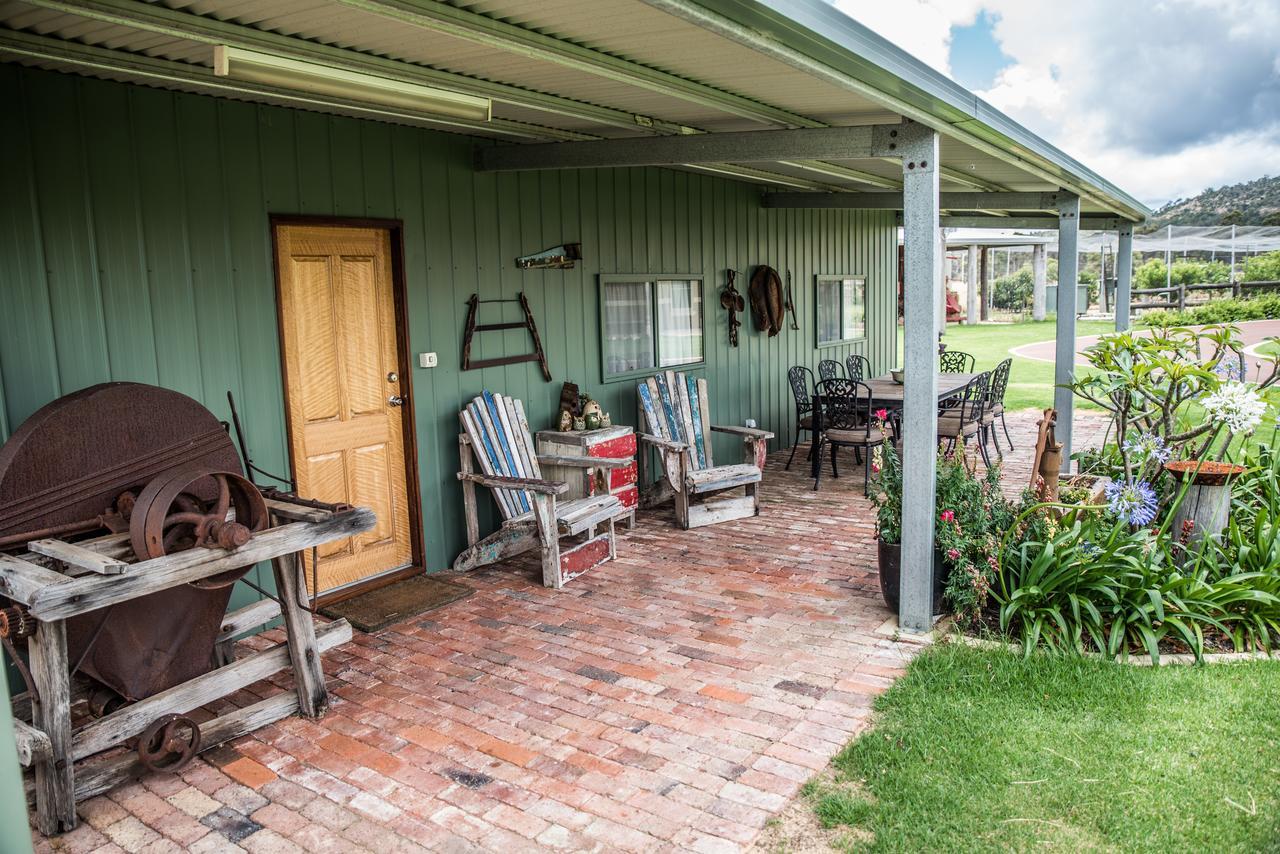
(829, 369)
(956, 362)
(846, 404)
(801, 380)
(1000, 382)
(859, 368)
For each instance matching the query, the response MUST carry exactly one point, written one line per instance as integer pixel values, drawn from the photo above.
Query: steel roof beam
(764, 146)
(963, 201)
(1088, 222)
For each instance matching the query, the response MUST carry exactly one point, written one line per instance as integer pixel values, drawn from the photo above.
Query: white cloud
(1164, 98)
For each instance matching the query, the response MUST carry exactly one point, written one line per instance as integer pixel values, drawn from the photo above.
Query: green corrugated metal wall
(134, 245)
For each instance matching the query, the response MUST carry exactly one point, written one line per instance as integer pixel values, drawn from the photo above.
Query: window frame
(818, 281)
(651, 279)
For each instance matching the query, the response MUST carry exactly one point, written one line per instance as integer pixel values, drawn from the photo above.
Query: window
(842, 309)
(650, 322)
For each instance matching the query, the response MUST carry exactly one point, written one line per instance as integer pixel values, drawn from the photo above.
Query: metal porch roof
(580, 69)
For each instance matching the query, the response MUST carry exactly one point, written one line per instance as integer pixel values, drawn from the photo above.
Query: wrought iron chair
(962, 421)
(846, 422)
(801, 380)
(829, 369)
(956, 362)
(858, 367)
(995, 404)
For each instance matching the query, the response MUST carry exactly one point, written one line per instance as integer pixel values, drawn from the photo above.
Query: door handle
(395, 400)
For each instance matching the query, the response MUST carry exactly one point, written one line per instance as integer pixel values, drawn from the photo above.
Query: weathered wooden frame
(676, 466)
(65, 761)
(543, 529)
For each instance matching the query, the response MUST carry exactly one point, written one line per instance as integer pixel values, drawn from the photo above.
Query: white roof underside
(589, 54)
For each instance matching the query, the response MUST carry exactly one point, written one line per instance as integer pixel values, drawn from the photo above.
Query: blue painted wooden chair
(496, 434)
(675, 420)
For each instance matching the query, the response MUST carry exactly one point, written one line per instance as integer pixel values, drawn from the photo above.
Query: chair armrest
(745, 432)
(584, 462)
(529, 484)
(664, 444)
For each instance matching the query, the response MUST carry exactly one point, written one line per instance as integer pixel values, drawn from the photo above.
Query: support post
(1068, 279)
(51, 714)
(1038, 281)
(13, 804)
(984, 281)
(308, 675)
(922, 270)
(1124, 277)
(971, 280)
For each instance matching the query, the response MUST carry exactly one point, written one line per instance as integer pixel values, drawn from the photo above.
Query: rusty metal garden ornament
(169, 743)
(732, 301)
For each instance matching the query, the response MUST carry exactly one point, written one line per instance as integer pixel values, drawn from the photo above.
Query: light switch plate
(427, 360)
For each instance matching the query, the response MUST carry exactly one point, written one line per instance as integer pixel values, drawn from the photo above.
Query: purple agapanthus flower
(1134, 501)
(1230, 370)
(1148, 446)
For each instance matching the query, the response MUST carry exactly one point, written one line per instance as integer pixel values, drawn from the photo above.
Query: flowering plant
(1236, 406)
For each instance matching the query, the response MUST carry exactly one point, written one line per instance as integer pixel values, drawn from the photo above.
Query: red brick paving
(672, 700)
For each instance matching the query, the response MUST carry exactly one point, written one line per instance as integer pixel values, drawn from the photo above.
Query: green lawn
(1030, 382)
(982, 750)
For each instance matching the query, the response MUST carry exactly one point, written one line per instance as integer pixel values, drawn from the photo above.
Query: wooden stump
(1207, 507)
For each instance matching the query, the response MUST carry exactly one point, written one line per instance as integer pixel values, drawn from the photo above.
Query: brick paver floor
(672, 700)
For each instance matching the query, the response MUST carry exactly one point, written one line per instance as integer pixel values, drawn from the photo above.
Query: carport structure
(788, 94)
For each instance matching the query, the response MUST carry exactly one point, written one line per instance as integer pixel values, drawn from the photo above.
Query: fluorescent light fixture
(255, 67)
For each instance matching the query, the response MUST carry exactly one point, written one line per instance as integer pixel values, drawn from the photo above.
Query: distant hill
(1252, 203)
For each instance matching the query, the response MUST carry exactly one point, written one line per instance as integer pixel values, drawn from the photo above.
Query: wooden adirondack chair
(496, 433)
(675, 419)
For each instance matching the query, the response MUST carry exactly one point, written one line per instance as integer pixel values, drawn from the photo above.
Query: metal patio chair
(801, 380)
(956, 362)
(829, 369)
(858, 367)
(959, 423)
(995, 404)
(846, 423)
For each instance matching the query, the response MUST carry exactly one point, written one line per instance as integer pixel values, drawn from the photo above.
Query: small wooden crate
(70, 763)
(608, 442)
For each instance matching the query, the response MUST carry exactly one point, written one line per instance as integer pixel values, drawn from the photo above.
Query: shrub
(1262, 268)
(1262, 307)
(1153, 274)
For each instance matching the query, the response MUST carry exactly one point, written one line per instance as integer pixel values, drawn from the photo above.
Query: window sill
(649, 372)
(827, 345)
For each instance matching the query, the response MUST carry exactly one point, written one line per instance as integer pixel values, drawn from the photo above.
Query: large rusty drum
(74, 469)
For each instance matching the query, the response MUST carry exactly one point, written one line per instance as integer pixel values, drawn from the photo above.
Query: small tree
(1262, 268)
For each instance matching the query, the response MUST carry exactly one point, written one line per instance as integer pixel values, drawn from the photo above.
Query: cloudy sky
(1163, 97)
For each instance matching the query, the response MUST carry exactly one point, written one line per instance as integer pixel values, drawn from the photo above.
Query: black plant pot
(890, 555)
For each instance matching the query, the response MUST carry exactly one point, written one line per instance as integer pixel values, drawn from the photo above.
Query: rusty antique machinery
(155, 464)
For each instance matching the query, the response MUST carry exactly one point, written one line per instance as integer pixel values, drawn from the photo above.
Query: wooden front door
(344, 393)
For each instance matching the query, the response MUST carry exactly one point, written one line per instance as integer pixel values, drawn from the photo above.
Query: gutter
(815, 37)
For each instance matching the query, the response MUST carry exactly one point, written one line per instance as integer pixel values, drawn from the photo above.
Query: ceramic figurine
(566, 421)
(579, 423)
(591, 408)
(606, 421)
(593, 420)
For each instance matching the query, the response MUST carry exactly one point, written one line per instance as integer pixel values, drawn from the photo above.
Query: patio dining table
(888, 394)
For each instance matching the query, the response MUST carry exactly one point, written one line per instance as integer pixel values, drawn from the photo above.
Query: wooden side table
(609, 442)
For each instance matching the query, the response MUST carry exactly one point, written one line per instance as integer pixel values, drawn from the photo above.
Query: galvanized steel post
(972, 311)
(1039, 280)
(922, 273)
(1065, 354)
(1124, 277)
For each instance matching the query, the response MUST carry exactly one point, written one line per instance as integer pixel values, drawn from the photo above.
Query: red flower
(947, 516)
(953, 553)
(882, 414)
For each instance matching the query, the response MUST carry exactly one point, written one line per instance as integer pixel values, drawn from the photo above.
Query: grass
(1030, 381)
(982, 750)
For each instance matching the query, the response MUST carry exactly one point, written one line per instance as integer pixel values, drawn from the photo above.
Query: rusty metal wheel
(168, 516)
(169, 743)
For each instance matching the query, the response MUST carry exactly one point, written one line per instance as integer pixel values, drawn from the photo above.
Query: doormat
(374, 611)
